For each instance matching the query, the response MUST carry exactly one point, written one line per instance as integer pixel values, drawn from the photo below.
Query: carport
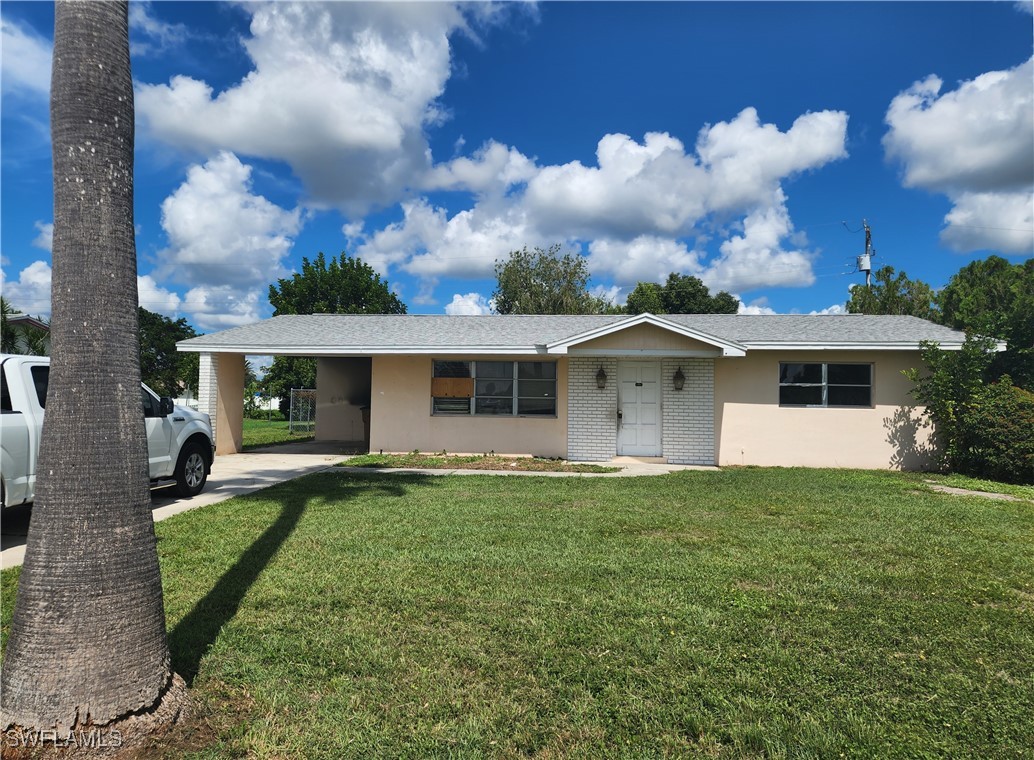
(342, 394)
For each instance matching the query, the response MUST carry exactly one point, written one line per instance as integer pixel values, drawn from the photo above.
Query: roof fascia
(728, 348)
(631, 353)
(362, 350)
(882, 346)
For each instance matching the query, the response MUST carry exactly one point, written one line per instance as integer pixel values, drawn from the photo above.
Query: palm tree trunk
(88, 642)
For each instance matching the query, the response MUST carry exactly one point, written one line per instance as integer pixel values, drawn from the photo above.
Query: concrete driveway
(231, 476)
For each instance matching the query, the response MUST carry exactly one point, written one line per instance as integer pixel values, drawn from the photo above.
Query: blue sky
(729, 141)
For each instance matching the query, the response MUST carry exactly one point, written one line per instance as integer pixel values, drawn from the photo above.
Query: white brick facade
(208, 385)
(687, 432)
(592, 428)
(687, 423)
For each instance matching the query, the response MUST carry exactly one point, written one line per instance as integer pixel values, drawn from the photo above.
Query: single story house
(708, 389)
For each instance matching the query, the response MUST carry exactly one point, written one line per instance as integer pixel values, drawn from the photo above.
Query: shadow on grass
(195, 633)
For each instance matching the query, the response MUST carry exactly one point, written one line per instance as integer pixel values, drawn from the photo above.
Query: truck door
(38, 377)
(16, 457)
(159, 437)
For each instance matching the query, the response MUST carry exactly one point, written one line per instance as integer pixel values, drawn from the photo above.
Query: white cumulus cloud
(647, 258)
(646, 209)
(345, 94)
(747, 160)
(999, 221)
(220, 307)
(150, 36)
(342, 92)
(756, 258)
(30, 293)
(429, 243)
(471, 304)
(24, 60)
(45, 237)
(219, 231)
(756, 307)
(974, 144)
(493, 167)
(154, 297)
(648, 188)
(837, 308)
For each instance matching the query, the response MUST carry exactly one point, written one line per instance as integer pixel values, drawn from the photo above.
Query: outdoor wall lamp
(601, 378)
(679, 379)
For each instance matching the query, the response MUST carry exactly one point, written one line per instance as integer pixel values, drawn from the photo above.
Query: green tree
(544, 282)
(35, 340)
(680, 294)
(162, 367)
(949, 384)
(87, 641)
(344, 285)
(8, 335)
(254, 390)
(892, 294)
(647, 297)
(21, 338)
(995, 298)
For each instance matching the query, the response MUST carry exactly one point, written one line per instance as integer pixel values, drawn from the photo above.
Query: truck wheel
(191, 473)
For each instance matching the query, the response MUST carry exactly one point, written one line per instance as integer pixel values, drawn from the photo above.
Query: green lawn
(258, 433)
(742, 613)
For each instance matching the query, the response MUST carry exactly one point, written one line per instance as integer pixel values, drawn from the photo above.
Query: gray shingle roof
(753, 329)
(380, 333)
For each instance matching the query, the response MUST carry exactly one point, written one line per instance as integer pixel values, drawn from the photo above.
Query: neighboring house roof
(731, 334)
(26, 321)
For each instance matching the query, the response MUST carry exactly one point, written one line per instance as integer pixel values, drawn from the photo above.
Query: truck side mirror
(165, 406)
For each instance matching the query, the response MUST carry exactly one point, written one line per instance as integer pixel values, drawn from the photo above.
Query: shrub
(272, 415)
(983, 429)
(996, 434)
(951, 381)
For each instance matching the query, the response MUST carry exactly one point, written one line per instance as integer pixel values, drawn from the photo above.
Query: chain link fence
(302, 419)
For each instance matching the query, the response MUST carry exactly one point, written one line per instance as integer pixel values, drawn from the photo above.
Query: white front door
(639, 409)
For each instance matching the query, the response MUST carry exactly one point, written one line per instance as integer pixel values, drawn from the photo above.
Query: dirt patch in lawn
(472, 462)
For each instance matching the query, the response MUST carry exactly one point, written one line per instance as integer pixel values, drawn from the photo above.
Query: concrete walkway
(238, 474)
(935, 486)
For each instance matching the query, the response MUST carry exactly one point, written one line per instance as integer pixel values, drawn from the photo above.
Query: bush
(996, 434)
(264, 414)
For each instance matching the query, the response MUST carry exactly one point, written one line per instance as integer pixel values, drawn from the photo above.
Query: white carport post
(221, 396)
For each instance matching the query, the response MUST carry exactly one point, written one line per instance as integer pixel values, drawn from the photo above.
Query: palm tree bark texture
(88, 643)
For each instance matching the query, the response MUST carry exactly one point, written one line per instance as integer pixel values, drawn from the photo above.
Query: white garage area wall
(342, 389)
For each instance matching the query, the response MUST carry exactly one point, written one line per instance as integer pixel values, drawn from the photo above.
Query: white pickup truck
(179, 440)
